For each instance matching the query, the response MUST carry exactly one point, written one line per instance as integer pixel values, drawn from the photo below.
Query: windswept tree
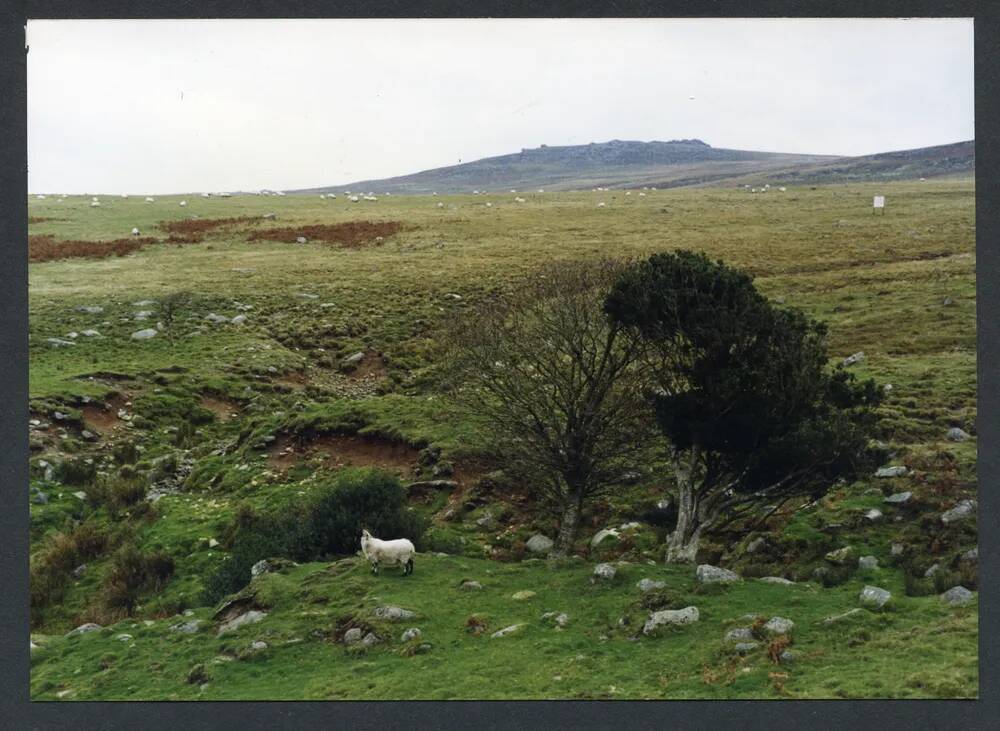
(743, 392)
(554, 386)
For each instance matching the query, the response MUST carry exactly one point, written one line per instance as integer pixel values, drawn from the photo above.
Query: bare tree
(555, 387)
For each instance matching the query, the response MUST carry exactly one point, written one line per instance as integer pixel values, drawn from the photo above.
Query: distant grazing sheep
(148, 199)
(396, 551)
(519, 200)
(135, 231)
(601, 204)
(440, 205)
(354, 199)
(95, 204)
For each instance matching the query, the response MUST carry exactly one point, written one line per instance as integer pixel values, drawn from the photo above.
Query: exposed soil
(193, 226)
(372, 367)
(45, 247)
(339, 451)
(100, 420)
(351, 234)
(224, 410)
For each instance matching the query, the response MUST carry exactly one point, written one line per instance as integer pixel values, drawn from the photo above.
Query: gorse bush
(50, 568)
(116, 492)
(328, 524)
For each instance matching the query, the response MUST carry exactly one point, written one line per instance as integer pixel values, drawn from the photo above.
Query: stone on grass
(776, 580)
(604, 572)
(353, 635)
(522, 596)
(957, 596)
(670, 617)
(932, 570)
(84, 629)
(837, 618)
(897, 549)
(144, 334)
(507, 631)
(874, 597)
(261, 567)
(649, 585)
(855, 358)
(258, 645)
(755, 545)
(352, 360)
(744, 647)
(873, 516)
(867, 562)
(123, 637)
(539, 543)
(714, 575)
(251, 617)
(410, 634)
(370, 639)
(239, 320)
(186, 628)
(787, 657)
(957, 435)
(471, 586)
(972, 555)
(601, 535)
(739, 634)
(897, 471)
(964, 510)
(899, 498)
(393, 614)
(779, 626)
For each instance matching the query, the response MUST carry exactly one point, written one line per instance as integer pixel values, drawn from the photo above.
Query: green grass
(880, 282)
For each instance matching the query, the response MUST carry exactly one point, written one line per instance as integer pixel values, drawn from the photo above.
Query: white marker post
(879, 202)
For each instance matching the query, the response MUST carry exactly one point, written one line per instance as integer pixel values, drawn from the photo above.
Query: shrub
(328, 524)
(49, 568)
(131, 574)
(117, 492)
(78, 471)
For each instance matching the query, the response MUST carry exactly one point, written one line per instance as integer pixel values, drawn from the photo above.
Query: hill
(673, 164)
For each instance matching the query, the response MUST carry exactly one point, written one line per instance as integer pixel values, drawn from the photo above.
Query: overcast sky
(157, 106)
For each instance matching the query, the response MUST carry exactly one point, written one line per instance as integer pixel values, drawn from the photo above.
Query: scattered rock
(261, 567)
(895, 471)
(239, 320)
(90, 309)
(124, 637)
(80, 495)
(964, 510)
(522, 596)
(352, 636)
(972, 555)
(258, 645)
(144, 334)
(251, 617)
(866, 563)
(40, 498)
(649, 585)
(855, 358)
(217, 319)
(670, 617)
(601, 535)
(874, 597)
(393, 614)
(59, 342)
(301, 239)
(776, 580)
(604, 572)
(410, 634)
(745, 647)
(79, 571)
(873, 516)
(837, 618)
(471, 586)
(755, 545)
(957, 435)
(897, 549)
(540, 544)
(787, 657)
(957, 596)
(714, 575)
(507, 631)
(370, 639)
(84, 629)
(779, 626)
(186, 628)
(899, 498)
(739, 634)
(90, 333)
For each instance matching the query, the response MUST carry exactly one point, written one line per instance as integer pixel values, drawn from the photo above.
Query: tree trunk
(568, 526)
(682, 544)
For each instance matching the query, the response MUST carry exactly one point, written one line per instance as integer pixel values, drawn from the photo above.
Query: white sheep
(148, 199)
(398, 551)
(440, 205)
(183, 203)
(135, 231)
(354, 199)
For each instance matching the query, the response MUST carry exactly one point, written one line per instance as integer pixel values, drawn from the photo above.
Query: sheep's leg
(375, 566)
(408, 568)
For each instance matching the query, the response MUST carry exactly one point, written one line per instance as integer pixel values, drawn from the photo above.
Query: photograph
(499, 359)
